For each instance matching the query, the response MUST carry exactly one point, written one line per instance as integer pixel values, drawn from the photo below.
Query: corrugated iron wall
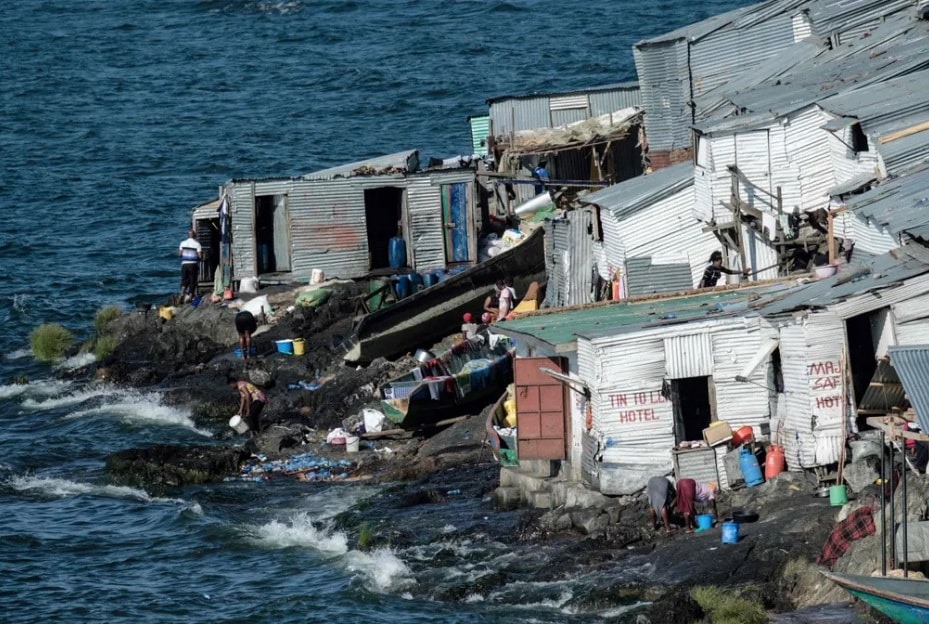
(571, 261)
(868, 237)
(742, 402)
(912, 321)
(689, 355)
(643, 277)
(807, 147)
(480, 130)
(427, 236)
(664, 85)
(327, 220)
(606, 102)
(546, 111)
(793, 431)
(242, 211)
(508, 116)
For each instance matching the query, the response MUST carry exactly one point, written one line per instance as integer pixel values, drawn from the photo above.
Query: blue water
(115, 119)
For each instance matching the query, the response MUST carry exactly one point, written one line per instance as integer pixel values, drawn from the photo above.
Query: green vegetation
(365, 536)
(104, 317)
(104, 346)
(49, 341)
(728, 606)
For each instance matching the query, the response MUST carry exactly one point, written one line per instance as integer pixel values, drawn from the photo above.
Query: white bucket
(316, 276)
(238, 423)
(352, 443)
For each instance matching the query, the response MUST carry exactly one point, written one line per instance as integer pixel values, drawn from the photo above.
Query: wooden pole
(839, 477)
(829, 220)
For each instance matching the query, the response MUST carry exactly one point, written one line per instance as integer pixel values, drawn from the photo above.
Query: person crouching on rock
(251, 402)
(690, 492)
(245, 324)
(661, 494)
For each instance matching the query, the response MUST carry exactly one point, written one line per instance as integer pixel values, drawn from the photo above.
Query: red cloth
(858, 524)
(686, 490)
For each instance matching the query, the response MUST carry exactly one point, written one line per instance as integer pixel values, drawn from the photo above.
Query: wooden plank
(893, 136)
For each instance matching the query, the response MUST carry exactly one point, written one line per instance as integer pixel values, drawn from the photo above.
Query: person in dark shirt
(713, 272)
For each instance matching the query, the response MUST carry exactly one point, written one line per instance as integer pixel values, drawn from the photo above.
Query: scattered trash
(454, 492)
(336, 436)
(305, 467)
(373, 420)
(304, 385)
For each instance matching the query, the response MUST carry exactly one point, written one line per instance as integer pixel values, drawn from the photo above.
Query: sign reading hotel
(629, 408)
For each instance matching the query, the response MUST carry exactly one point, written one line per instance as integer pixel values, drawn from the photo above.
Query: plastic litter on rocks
(305, 467)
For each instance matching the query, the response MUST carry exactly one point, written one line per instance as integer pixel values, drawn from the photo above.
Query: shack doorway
(693, 410)
(875, 386)
(383, 213)
(209, 237)
(272, 234)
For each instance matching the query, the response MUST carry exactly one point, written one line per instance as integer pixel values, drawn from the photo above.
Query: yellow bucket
(166, 313)
(299, 344)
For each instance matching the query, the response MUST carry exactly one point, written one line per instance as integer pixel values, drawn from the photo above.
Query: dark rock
(675, 607)
(170, 465)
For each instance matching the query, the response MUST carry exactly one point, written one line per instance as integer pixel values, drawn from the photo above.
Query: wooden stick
(840, 476)
(893, 136)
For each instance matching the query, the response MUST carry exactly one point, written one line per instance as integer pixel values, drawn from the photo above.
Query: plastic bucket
(352, 444)
(285, 346)
(299, 346)
(237, 423)
(730, 532)
(838, 495)
(704, 521)
(316, 276)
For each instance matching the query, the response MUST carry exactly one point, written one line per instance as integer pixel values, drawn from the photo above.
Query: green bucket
(838, 495)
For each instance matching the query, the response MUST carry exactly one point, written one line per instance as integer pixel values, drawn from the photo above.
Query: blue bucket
(430, 279)
(730, 532)
(704, 521)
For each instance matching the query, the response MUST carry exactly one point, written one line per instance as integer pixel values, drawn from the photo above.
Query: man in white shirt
(190, 253)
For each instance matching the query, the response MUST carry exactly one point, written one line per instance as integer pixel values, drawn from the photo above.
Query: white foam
(449, 528)
(616, 612)
(63, 488)
(383, 569)
(142, 408)
(40, 388)
(77, 361)
(301, 531)
(17, 354)
(67, 400)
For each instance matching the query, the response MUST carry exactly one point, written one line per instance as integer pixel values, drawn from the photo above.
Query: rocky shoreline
(187, 358)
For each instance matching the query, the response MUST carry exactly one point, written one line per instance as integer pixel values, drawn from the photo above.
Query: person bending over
(713, 272)
(690, 492)
(245, 324)
(660, 496)
(251, 402)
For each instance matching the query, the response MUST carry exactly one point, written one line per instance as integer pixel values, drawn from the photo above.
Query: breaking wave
(64, 488)
(143, 408)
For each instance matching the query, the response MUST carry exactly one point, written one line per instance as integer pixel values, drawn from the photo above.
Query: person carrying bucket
(689, 493)
(251, 402)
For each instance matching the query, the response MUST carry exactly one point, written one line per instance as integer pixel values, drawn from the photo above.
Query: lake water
(115, 119)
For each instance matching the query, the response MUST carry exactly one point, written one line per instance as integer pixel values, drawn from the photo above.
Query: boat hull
(433, 313)
(905, 601)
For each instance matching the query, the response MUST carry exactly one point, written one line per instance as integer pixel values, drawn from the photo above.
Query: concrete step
(574, 494)
(508, 497)
(510, 477)
(540, 500)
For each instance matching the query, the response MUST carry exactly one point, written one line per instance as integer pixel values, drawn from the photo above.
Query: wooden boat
(905, 601)
(467, 376)
(433, 313)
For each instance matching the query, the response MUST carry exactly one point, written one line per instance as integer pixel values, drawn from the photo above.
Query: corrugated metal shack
(650, 232)
(589, 134)
(681, 72)
(574, 258)
(340, 220)
(834, 334)
(898, 207)
(658, 371)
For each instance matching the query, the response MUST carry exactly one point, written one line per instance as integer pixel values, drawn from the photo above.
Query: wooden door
(541, 409)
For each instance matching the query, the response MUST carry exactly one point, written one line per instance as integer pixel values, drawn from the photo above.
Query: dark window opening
(383, 210)
(777, 371)
(693, 411)
(859, 140)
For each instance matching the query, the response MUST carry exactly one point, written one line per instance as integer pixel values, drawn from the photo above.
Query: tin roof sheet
(900, 205)
(880, 273)
(561, 327)
(616, 86)
(912, 365)
(634, 194)
(399, 162)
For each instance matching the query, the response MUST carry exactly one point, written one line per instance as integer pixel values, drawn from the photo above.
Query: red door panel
(540, 408)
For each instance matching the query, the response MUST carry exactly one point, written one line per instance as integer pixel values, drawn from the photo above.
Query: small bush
(104, 317)
(104, 346)
(49, 342)
(728, 607)
(365, 536)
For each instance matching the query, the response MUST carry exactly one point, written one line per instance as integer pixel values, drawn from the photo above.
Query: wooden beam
(893, 136)
(831, 241)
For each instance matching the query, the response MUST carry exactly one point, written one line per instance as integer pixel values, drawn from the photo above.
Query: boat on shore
(469, 375)
(433, 313)
(503, 447)
(903, 600)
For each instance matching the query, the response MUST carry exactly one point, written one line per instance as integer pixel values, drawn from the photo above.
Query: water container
(299, 346)
(430, 279)
(773, 462)
(730, 532)
(416, 282)
(704, 522)
(352, 444)
(838, 495)
(396, 252)
(402, 286)
(751, 471)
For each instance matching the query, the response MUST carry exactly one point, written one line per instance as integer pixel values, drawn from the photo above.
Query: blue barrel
(430, 279)
(402, 286)
(751, 471)
(730, 532)
(416, 282)
(396, 252)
